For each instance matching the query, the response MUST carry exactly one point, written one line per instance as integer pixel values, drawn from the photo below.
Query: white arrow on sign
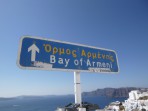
(33, 48)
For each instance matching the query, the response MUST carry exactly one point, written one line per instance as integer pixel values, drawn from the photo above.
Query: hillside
(112, 92)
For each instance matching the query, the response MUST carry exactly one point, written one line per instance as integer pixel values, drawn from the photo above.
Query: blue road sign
(46, 54)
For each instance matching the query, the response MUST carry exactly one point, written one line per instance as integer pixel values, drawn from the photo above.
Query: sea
(49, 103)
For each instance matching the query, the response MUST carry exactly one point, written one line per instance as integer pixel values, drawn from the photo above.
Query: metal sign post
(77, 88)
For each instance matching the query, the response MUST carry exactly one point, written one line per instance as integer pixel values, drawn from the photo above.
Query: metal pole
(77, 88)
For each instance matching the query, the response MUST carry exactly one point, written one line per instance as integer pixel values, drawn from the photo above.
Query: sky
(120, 25)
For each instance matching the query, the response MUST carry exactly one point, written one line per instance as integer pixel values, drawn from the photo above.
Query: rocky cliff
(112, 92)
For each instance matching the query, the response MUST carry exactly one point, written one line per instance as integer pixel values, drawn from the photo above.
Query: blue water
(49, 103)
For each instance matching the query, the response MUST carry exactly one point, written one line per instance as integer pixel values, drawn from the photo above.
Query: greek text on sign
(46, 54)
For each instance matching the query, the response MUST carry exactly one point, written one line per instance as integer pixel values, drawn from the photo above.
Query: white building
(114, 106)
(137, 101)
(134, 95)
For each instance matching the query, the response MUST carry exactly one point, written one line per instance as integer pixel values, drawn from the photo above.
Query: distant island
(34, 97)
(112, 92)
(105, 92)
(3, 99)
